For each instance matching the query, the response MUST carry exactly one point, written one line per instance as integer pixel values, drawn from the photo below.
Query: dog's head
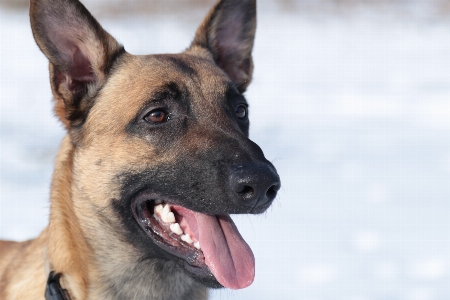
(161, 150)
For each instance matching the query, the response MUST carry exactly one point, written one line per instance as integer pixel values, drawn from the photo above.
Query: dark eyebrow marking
(172, 89)
(169, 90)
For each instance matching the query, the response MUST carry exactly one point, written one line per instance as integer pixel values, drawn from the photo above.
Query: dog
(155, 159)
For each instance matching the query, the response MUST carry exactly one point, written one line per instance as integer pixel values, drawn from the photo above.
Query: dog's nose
(255, 185)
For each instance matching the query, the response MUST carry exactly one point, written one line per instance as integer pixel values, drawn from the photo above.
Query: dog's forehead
(145, 74)
(186, 69)
(136, 79)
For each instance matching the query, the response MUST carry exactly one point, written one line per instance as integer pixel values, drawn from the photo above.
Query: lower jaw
(191, 260)
(203, 276)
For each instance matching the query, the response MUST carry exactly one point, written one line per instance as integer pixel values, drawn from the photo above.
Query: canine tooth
(175, 228)
(168, 217)
(187, 238)
(197, 245)
(159, 209)
(166, 209)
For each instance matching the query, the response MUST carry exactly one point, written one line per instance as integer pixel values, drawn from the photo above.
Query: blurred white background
(350, 100)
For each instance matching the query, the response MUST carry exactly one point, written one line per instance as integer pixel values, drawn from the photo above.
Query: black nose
(255, 185)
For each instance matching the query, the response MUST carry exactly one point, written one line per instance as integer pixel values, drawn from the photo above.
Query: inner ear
(79, 74)
(228, 32)
(80, 52)
(82, 68)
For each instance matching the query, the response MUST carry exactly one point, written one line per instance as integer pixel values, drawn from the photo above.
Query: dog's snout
(255, 185)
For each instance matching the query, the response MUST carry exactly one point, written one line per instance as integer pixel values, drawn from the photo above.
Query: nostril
(272, 192)
(247, 191)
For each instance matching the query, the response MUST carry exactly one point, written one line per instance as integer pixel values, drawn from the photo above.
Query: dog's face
(162, 155)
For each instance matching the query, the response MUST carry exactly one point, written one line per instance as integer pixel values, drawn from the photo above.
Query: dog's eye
(241, 111)
(156, 116)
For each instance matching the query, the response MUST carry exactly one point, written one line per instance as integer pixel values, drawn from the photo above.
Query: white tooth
(175, 228)
(187, 238)
(166, 209)
(168, 217)
(197, 245)
(159, 209)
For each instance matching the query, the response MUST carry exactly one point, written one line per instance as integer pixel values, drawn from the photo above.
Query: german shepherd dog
(156, 158)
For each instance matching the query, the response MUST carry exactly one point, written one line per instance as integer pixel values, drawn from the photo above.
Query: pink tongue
(227, 255)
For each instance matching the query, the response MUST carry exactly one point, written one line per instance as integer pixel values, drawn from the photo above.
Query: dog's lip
(225, 258)
(193, 259)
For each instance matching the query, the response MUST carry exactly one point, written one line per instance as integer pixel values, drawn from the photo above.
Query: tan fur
(61, 245)
(67, 248)
(24, 274)
(83, 239)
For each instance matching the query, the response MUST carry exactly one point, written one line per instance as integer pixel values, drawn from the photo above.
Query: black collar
(54, 291)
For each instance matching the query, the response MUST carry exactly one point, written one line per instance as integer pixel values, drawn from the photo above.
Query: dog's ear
(80, 52)
(228, 32)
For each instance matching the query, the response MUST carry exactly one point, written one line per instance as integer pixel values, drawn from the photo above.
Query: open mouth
(209, 245)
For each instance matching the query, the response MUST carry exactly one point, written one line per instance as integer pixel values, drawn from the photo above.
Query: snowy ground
(355, 113)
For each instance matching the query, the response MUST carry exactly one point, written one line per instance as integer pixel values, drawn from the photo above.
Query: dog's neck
(84, 275)
(67, 248)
